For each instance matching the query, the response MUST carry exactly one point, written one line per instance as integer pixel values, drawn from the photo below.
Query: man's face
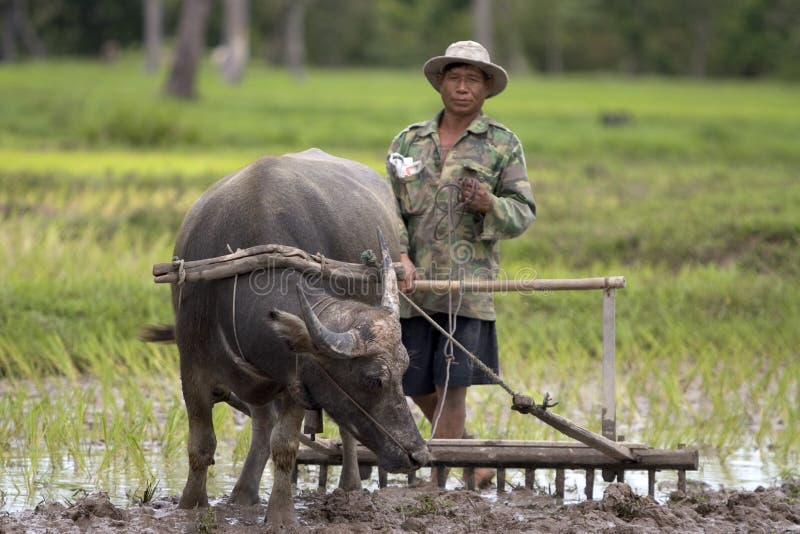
(463, 89)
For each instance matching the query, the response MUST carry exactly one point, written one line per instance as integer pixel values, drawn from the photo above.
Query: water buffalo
(280, 341)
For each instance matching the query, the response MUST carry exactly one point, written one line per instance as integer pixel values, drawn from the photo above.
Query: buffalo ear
(292, 329)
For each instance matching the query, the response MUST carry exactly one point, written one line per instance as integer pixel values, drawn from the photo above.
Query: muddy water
(23, 487)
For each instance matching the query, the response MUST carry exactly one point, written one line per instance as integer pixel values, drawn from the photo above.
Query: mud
(427, 509)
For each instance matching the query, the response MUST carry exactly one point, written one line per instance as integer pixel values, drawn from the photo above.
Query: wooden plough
(604, 451)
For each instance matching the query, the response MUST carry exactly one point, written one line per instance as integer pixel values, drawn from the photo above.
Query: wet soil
(427, 509)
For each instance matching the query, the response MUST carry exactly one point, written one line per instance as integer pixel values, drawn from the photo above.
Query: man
(461, 185)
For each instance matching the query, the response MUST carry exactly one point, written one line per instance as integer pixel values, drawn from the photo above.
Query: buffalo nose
(421, 456)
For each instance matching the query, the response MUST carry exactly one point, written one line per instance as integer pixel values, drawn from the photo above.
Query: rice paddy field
(693, 196)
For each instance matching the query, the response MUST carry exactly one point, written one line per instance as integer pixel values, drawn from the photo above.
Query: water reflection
(22, 488)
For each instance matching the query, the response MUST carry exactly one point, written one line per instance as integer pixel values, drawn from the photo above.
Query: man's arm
(407, 283)
(512, 209)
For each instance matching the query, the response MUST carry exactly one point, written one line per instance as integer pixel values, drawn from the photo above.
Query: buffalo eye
(376, 378)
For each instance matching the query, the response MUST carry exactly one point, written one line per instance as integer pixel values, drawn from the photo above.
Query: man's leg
(453, 406)
(453, 413)
(427, 403)
(451, 425)
(454, 410)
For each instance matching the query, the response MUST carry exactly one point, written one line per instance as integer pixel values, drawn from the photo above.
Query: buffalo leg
(246, 490)
(283, 444)
(202, 443)
(351, 478)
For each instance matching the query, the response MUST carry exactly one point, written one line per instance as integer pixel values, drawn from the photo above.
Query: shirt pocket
(486, 175)
(415, 193)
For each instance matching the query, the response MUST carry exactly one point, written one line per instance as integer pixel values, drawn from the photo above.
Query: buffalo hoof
(350, 483)
(281, 520)
(189, 502)
(243, 498)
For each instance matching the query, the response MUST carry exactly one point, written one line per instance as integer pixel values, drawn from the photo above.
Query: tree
(510, 50)
(189, 48)
(628, 16)
(236, 34)
(701, 34)
(482, 23)
(553, 41)
(294, 37)
(153, 28)
(16, 25)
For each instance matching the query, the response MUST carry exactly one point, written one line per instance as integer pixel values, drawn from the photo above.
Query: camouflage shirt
(448, 241)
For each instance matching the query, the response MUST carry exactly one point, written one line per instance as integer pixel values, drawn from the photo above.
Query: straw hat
(471, 53)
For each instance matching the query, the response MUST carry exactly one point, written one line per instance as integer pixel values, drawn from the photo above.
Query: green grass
(694, 202)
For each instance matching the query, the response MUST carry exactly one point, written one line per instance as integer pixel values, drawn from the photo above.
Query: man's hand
(476, 195)
(407, 283)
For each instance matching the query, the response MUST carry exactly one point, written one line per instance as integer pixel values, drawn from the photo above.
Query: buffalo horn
(389, 278)
(340, 345)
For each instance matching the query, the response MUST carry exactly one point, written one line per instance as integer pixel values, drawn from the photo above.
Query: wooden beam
(589, 489)
(565, 426)
(560, 483)
(469, 478)
(530, 478)
(286, 257)
(608, 416)
(499, 443)
(526, 454)
(533, 284)
(268, 257)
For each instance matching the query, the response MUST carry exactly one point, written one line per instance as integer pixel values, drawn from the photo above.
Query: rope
(458, 209)
(452, 314)
(233, 317)
(179, 264)
(364, 411)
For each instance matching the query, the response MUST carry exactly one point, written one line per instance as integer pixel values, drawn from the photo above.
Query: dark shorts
(426, 352)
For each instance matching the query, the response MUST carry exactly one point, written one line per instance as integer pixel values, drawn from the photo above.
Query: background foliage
(699, 37)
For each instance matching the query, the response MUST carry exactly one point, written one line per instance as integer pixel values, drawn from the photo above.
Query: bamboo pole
(609, 410)
(286, 257)
(532, 284)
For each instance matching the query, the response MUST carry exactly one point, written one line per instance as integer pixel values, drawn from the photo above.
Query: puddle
(21, 489)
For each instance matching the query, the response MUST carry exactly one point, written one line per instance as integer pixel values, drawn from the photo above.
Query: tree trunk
(701, 35)
(237, 39)
(153, 28)
(295, 37)
(635, 40)
(189, 48)
(554, 48)
(510, 39)
(8, 52)
(482, 23)
(17, 25)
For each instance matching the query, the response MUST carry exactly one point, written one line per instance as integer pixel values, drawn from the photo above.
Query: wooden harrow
(591, 451)
(516, 454)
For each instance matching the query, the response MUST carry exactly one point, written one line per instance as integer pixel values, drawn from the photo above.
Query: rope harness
(454, 208)
(364, 411)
